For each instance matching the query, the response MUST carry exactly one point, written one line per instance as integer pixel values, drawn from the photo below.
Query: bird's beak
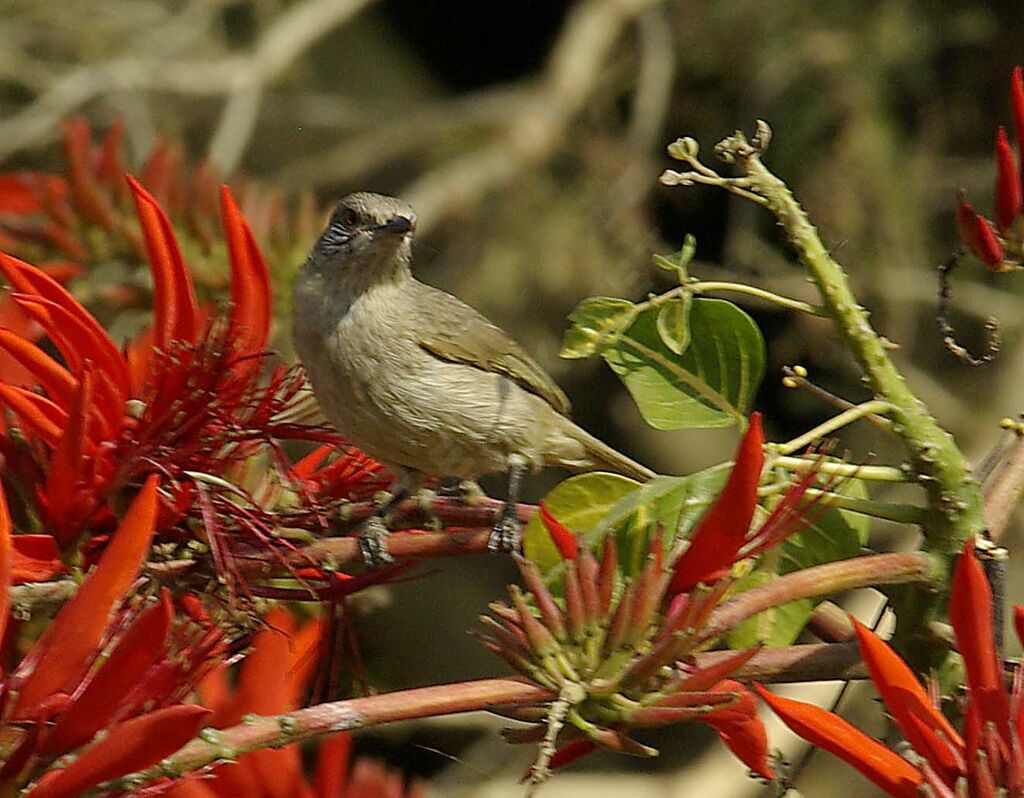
(396, 226)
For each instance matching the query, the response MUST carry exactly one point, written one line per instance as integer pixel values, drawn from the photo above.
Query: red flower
(722, 531)
(96, 670)
(272, 679)
(987, 759)
(564, 540)
(1001, 246)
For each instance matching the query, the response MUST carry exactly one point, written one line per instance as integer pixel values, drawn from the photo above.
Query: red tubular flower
(1017, 111)
(987, 759)
(187, 395)
(977, 233)
(564, 540)
(723, 535)
(1008, 183)
(271, 681)
(1001, 247)
(886, 769)
(96, 670)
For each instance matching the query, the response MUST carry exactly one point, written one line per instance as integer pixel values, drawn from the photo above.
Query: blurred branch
(573, 72)
(240, 77)
(385, 139)
(295, 31)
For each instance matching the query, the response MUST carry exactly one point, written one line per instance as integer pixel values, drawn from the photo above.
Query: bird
(419, 380)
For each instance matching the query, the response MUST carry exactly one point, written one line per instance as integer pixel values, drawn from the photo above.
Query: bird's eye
(349, 218)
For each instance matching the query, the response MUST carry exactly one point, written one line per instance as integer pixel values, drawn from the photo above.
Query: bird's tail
(596, 455)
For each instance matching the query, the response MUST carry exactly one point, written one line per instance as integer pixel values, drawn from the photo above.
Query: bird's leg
(374, 541)
(507, 532)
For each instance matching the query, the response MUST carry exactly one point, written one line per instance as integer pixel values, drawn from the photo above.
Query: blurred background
(529, 135)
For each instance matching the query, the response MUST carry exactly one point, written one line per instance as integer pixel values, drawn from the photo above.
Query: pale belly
(410, 410)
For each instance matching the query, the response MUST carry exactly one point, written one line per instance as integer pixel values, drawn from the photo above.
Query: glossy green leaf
(674, 323)
(579, 503)
(834, 535)
(712, 384)
(676, 503)
(595, 324)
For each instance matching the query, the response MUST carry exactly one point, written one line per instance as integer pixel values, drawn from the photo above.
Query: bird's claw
(506, 535)
(374, 543)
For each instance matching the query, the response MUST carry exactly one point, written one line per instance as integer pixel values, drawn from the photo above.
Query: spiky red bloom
(1001, 246)
(186, 398)
(987, 759)
(271, 681)
(94, 670)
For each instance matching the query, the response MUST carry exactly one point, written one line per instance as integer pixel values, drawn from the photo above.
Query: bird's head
(369, 237)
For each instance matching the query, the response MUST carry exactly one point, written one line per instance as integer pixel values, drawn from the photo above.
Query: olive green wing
(453, 331)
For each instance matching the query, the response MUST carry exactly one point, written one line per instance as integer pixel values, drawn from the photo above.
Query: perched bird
(418, 379)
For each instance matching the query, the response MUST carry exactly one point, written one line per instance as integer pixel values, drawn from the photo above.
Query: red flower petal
(47, 372)
(886, 769)
(722, 531)
(6, 561)
(36, 412)
(272, 679)
(1018, 621)
(901, 691)
(332, 765)
(35, 558)
(1017, 110)
(22, 193)
(88, 339)
(569, 753)
(76, 343)
(741, 729)
(977, 234)
(90, 201)
(95, 706)
(133, 745)
(174, 302)
(1008, 188)
(564, 540)
(250, 282)
(71, 640)
(67, 471)
(970, 612)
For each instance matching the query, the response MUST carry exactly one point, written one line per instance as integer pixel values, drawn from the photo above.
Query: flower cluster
(619, 651)
(86, 215)
(986, 759)
(1000, 246)
(187, 399)
(272, 680)
(101, 666)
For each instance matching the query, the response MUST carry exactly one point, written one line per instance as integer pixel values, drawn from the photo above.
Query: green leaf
(680, 260)
(712, 384)
(596, 323)
(580, 503)
(834, 535)
(596, 505)
(676, 503)
(674, 323)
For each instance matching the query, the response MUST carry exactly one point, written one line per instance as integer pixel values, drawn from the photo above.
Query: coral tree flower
(271, 680)
(641, 643)
(1000, 245)
(104, 417)
(986, 759)
(100, 668)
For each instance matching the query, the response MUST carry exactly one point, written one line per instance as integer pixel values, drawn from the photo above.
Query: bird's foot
(465, 490)
(374, 543)
(507, 533)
